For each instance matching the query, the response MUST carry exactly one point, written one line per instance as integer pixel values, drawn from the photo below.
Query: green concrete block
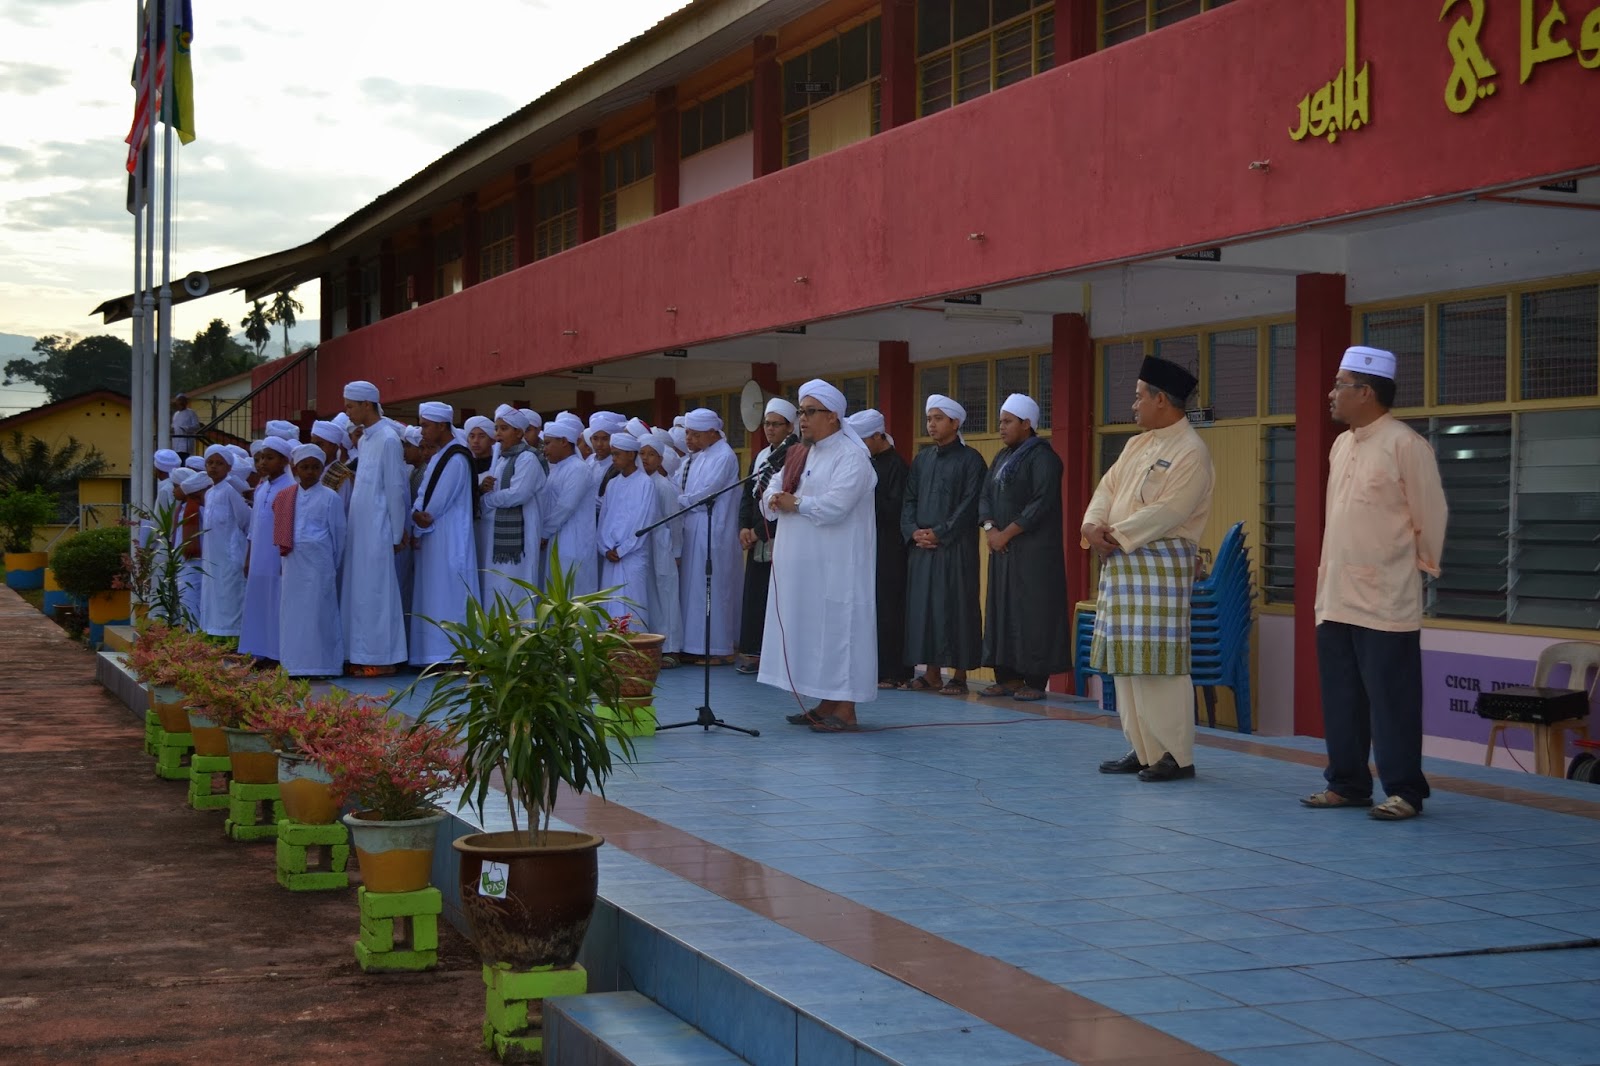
(249, 833)
(538, 983)
(152, 732)
(488, 1035)
(316, 881)
(248, 805)
(402, 961)
(240, 791)
(211, 764)
(302, 835)
(172, 763)
(400, 904)
(291, 860)
(176, 740)
(377, 934)
(508, 1017)
(425, 932)
(339, 857)
(203, 794)
(519, 1049)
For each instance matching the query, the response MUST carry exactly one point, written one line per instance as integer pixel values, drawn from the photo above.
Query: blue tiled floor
(1217, 910)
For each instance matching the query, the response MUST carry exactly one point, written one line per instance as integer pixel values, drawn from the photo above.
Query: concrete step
(625, 1029)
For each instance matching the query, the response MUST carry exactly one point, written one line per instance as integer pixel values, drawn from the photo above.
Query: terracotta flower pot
(167, 702)
(549, 895)
(640, 665)
(306, 789)
(254, 761)
(208, 736)
(393, 856)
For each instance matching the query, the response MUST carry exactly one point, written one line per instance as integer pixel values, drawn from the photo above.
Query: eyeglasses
(812, 412)
(774, 424)
(1350, 385)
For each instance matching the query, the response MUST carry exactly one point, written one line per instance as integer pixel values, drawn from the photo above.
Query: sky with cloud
(305, 111)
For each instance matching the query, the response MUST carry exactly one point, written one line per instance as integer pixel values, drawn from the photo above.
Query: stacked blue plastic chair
(1223, 613)
(1082, 642)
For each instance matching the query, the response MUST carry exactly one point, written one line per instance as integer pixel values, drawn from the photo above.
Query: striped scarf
(283, 518)
(508, 523)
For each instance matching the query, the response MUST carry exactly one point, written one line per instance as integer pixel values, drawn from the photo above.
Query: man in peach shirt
(1385, 527)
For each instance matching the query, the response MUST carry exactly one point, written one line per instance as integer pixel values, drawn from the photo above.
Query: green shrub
(92, 561)
(20, 513)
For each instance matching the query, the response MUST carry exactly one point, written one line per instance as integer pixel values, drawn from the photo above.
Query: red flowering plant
(233, 696)
(298, 726)
(164, 656)
(396, 769)
(619, 624)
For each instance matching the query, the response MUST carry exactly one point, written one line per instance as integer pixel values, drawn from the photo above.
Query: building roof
(45, 410)
(212, 386)
(683, 42)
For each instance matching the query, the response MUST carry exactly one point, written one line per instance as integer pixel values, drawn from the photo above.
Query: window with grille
(838, 65)
(1121, 363)
(1231, 381)
(857, 394)
(447, 262)
(1277, 515)
(1555, 575)
(1185, 351)
(968, 48)
(625, 165)
(1400, 331)
(1046, 394)
(710, 122)
(497, 235)
(1123, 20)
(1474, 456)
(1472, 351)
(1011, 375)
(1111, 448)
(1280, 369)
(972, 392)
(555, 215)
(931, 380)
(1560, 342)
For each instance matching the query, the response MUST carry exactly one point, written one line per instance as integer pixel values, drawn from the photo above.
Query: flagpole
(139, 451)
(164, 386)
(153, 356)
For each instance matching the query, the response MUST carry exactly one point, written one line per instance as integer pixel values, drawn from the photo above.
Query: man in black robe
(939, 521)
(1026, 634)
(888, 498)
(756, 533)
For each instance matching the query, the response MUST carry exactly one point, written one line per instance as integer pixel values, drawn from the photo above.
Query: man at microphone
(755, 532)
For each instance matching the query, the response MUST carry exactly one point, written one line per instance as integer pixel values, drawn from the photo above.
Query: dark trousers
(1372, 699)
(753, 619)
(1004, 675)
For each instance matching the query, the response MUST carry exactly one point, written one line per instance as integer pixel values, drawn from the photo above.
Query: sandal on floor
(997, 690)
(806, 718)
(887, 685)
(918, 684)
(1393, 809)
(954, 688)
(668, 662)
(830, 724)
(1329, 799)
(1027, 695)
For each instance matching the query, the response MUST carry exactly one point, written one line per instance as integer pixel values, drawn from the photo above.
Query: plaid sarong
(1141, 622)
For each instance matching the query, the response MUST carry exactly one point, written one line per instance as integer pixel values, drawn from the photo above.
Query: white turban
(332, 433)
(513, 417)
(479, 422)
(363, 391)
(947, 405)
(567, 431)
(679, 439)
(243, 465)
(677, 420)
(637, 428)
(166, 460)
(607, 422)
(342, 420)
(195, 462)
(434, 411)
(306, 451)
(192, 480)
(234, 449)
(782, 408)
(588, 437)
(500, 412)
(535, 419)
(660, 442)
(412, 435)
(220, 449)
(1363, 360)
(279, 445)
(256, 446)
(869, 422)
(280, 428)
(1024, 407)
(831, 398)
(624, 442)
(701, 420)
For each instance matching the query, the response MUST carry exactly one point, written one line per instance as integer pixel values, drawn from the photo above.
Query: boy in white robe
(712, 466)
(188, 494)
(258, 631)
(510, 503)
(446, 565)
(308, 531)
(335, 445)
(630, 504)
(376, 531)
(225, 517)
(661, 462)
(567, 517)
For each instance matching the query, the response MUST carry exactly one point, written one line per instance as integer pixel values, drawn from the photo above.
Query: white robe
(630, 504)
(527, 487)
(709, 470)
(191, 575)
(371, 611)
(258, 631)
(824, 579)
(311, 635)
(666, 613)
(225, 517)
(569, 523)
(446, 567)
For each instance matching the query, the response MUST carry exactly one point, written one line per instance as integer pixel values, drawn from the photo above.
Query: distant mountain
(13, 345)
(301, 334)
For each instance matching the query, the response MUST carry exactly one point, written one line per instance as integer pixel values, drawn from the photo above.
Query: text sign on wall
(1451, 682)
(1545, 34)
(1344, 101)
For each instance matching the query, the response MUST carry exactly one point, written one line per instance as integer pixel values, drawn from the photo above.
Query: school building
(978, 197)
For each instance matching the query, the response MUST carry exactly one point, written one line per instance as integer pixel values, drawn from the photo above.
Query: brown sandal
(997, 689)
(954, 688)
(918, 684)
(1329, 799)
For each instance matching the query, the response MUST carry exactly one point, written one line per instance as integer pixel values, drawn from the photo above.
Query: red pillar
(584, 404)
(666, 408)
(896, 395)
(1077, 30)
(422, 264)
(1072, 434)
(766, 108)
(352, 294)
(1322, 332)
(325, 288)
(667, 148)
(471, 242)
(588, 186)
(524, 212)
(388, 282)
(765, 375)
(898, 60)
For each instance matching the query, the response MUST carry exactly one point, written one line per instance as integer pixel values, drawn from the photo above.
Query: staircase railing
(233, 424)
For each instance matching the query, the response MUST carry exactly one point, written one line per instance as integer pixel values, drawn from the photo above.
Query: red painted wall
(286, 397)
(1125, 153)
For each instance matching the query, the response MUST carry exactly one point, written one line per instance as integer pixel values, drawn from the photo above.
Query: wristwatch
(988, 526)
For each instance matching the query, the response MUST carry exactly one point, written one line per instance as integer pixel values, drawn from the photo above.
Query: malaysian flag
(144, 84)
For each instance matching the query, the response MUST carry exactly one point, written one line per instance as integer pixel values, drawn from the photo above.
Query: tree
(212, 356)
(28, 464)
(66, 365)
(284, 308)
(257, 326)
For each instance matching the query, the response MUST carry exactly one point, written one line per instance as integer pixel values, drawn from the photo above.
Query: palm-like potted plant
(524, 702)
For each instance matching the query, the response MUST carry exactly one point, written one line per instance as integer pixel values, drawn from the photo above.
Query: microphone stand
(705, 717)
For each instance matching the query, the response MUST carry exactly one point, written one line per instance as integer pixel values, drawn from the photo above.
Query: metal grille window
(1231, 388)
(1011, 375)
(972, 392)
(836, 66)
(930, 381)
(711, 122)
(1556, 558)
(857, 394)
(1046, 394)
(626, 164)
(555, 215)
(498, 237)
(1185, 351)
(1472, 351)
(1111, 448)
(1400, 331)
(1560, 343)
(1277, 515)
(1123, 20)
(1474, 457)
(968, 48)
(1121, 375)
(1280, 369)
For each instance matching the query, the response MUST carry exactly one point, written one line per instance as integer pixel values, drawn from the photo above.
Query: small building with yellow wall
(98, 420)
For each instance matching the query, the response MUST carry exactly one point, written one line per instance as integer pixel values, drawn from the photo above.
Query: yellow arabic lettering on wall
(1344, 103)
(1542, 41)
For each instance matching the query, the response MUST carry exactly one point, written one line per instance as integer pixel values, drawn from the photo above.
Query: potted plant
(229, 696)
(21, 512)
(638, 667)
(525, 702)
(162, 657)
(92, 565)
(155, 570)
(295, 729)
(395, 772)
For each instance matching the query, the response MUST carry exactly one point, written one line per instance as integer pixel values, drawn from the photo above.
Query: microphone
(775, 457)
